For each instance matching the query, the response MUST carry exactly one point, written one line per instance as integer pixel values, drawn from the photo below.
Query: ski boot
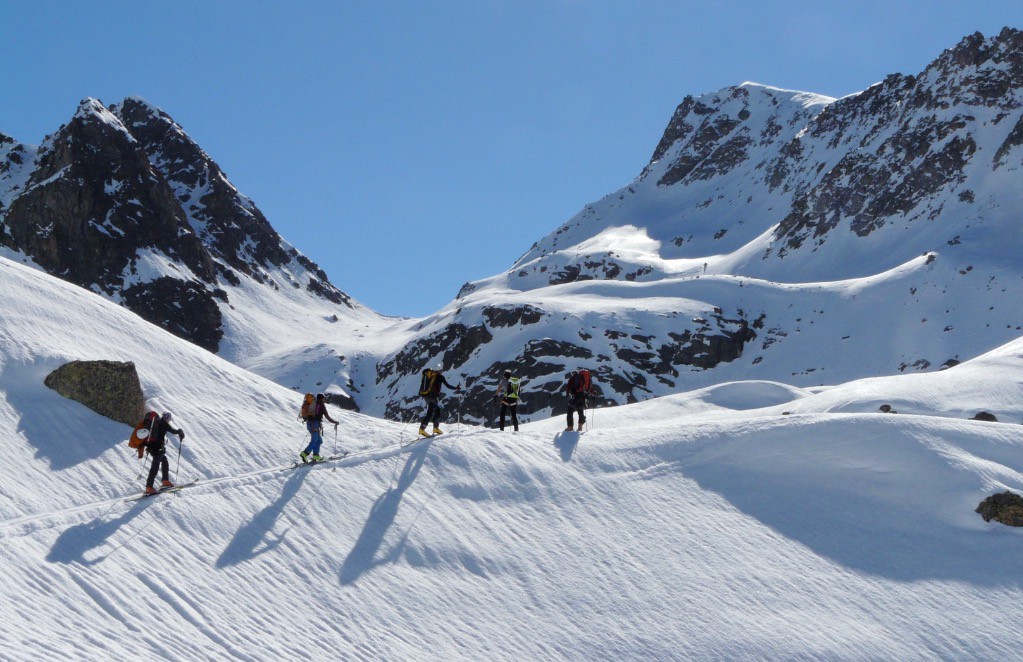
(150, 490)
(423, 432)
(166, 483)
(317, 458)
(569, 429)
(437, 430)
(580, 428)
(304, 455)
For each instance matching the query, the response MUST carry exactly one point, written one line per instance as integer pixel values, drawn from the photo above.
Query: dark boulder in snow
(109, 388)
(985, 416)
(1006, 508)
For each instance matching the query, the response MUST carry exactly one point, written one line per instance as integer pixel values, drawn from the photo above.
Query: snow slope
(702, 525)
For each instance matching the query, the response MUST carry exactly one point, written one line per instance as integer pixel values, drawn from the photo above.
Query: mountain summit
(121, 201)
(774, 234)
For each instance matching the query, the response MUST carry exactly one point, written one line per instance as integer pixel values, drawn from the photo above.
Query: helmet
(507, 373)
(167, 416)
(439, 367)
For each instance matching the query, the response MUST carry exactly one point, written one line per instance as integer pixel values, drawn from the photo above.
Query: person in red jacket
(157, 449)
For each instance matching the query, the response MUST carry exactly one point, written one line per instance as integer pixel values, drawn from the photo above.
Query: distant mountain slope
(774, 235)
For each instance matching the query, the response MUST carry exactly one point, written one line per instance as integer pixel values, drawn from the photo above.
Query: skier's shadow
(76, 541)
(566, 442)
(250, 540)
(363, 556)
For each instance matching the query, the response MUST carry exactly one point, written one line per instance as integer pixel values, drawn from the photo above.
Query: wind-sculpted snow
(708, 524)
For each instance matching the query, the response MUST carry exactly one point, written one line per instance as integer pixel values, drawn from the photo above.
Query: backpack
(579, 382)
(308, 409)
(513, 388)
(584, 381)
(428, 385)
(140, 435)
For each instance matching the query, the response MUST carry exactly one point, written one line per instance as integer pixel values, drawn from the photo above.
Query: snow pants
(510, 406)
(159, 462)
(315, 437)
(433, 412)
(577, 403)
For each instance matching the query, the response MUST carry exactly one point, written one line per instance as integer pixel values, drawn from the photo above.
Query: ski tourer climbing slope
(156, 447)
(577, 387)
(430, 388)
(314, 416)
(508, 396)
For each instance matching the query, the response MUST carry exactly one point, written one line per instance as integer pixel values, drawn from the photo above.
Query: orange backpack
(140, 435)
(308, 407)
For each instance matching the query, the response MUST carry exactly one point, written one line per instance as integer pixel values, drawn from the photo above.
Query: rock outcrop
(109, 388)
(1006, 508)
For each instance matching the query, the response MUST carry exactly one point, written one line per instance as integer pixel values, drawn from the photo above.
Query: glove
(335, 426)
(182, 435)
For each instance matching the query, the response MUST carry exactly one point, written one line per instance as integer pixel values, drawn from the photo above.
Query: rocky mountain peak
(121, 201)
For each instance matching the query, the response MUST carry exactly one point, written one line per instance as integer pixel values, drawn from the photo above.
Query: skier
(314, 423)
(429, 388)
(508, 396)
(577, 388)
(156, 448)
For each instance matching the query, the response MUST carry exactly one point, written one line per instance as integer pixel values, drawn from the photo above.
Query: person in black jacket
(429, 388)
(156, 447)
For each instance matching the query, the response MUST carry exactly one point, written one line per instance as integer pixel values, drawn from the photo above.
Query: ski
(330, 458)
(163, 490)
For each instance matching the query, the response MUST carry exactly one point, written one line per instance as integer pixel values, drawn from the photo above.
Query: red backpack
(579, 382)
(140, 435)
(584, 381)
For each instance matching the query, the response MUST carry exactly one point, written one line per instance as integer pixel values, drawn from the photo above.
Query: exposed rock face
(985, 416)
(1006, 508)
(623, 363)
(121, 201)
(109, 388)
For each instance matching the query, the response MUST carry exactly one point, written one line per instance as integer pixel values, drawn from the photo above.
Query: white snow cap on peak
(805, 98)
(90, 108)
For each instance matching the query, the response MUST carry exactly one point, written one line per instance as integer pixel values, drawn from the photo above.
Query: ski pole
(335, 439)
(177, 465)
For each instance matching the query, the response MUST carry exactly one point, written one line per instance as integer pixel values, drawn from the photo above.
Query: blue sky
(408, 147)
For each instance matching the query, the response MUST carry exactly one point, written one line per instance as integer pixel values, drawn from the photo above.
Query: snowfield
(746, 520)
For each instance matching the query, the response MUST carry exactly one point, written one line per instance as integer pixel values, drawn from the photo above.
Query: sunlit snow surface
(702, 525)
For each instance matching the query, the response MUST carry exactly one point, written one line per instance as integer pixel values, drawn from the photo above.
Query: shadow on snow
(364, 555)
(251, 540)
